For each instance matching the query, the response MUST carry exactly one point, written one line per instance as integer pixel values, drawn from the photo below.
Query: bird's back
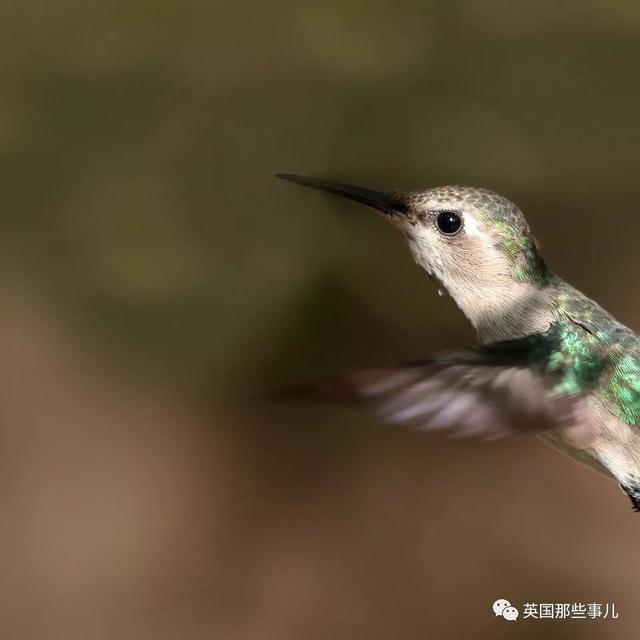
(604, 358)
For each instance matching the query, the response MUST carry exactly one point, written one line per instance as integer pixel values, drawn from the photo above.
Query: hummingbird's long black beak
(390, 203)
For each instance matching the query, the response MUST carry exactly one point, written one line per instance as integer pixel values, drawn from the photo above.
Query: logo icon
(502, 607)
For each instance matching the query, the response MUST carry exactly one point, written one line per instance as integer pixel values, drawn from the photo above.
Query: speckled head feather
(499, 217)
(475, 243)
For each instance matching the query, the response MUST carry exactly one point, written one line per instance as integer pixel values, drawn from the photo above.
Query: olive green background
(157, 282)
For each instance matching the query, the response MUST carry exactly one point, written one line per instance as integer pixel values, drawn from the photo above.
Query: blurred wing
(466, 394)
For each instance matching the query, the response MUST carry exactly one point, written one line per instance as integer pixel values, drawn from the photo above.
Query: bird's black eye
(449, 222)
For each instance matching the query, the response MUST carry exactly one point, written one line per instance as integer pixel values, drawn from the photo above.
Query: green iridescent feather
(583, 351)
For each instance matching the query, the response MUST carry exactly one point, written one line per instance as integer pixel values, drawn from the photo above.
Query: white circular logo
(503, 608)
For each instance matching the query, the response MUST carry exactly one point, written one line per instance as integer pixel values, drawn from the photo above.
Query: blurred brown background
(156, 279)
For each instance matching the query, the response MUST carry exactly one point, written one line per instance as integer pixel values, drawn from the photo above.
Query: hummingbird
(549, 360)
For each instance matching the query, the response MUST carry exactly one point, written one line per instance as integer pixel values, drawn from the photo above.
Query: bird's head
(473, 242)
